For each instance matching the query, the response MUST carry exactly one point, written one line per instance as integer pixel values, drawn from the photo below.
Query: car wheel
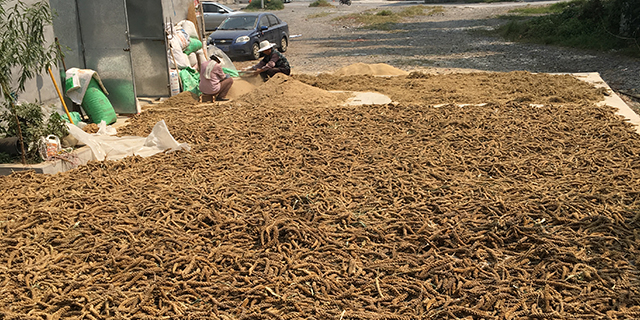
(254, 51)
(284, 44)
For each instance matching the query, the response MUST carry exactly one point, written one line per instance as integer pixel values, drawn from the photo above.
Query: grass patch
(420, 11)
(586, 24)
(320, 3)
(268, 5)
(318, 15)
(386, 19)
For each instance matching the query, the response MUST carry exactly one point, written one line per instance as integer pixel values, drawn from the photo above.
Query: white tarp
(105, 146)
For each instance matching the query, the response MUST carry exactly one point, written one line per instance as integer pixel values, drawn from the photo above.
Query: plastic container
(50, 147)
(174, 82)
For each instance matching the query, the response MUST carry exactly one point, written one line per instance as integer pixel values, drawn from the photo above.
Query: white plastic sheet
(105, 146)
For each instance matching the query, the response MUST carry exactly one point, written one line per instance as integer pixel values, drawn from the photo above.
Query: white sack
(193, 60)
(201, 57)
(182, 60)
(189, 28)
(107, 147)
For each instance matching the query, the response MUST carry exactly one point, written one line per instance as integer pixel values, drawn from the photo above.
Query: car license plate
(223, 48)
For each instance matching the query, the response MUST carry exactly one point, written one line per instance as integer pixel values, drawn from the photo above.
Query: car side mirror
(264, 28)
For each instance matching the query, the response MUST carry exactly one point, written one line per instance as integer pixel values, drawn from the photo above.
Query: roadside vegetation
(268, 5)
(321, 3)
(589, 24)
(530, 10)
(386, 19)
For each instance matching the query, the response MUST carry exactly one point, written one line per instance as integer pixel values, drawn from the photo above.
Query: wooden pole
(60, 96)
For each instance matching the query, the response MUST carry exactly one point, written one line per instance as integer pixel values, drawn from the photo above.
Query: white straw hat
(266, 45)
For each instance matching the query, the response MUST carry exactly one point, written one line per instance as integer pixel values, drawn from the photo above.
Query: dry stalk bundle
(406, 211)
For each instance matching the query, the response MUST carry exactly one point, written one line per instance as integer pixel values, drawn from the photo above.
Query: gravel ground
(451, 41)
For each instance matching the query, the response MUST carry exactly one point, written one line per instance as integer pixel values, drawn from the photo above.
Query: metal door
(148, 47)
(106, 47)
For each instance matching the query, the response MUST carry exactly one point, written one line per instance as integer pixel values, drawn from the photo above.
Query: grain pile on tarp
(500, 211)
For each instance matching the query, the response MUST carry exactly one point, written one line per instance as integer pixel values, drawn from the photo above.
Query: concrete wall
(40, 89)
(67, 29)
(175, 9)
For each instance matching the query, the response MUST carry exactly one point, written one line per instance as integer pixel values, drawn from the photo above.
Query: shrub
(592, 24)
(320, 3)
(268, 5)
(34, 125)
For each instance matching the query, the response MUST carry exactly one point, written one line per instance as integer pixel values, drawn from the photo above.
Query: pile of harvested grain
(379, 69)
(500, 211)
(282, 91)
(517, 86)
(91, 128)
(241, 87)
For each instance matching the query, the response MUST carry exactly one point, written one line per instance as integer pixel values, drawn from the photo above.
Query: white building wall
(176, 9)
(40, 89)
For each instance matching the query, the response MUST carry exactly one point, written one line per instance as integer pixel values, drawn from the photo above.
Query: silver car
(214, 14)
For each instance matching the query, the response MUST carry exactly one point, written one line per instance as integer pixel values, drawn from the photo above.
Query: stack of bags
(186, 48)
(185, 56)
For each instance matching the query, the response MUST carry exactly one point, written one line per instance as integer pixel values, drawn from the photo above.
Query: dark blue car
(240, 34)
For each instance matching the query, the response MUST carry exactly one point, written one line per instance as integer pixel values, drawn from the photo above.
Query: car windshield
(239, 23)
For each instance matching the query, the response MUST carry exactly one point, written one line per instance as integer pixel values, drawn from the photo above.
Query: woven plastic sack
(75, 116)
(97, 106)
(190, 80)
(231, 72)
(188, 27)
(194, 45)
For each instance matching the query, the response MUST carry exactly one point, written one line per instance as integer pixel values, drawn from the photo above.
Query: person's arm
(270, 64)
(272, 61)
(259, 65)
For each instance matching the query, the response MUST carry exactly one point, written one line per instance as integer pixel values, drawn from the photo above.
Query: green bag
(190, 80)
(194, 45)
(75, 116)
(231, 72)
(97, 106)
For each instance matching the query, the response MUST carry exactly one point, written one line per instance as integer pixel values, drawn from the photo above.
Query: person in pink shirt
(213, 82)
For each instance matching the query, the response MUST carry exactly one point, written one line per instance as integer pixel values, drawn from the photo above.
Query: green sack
(190, 80)
(194, 45)
(97, 106)
(231, 72)
(75, 116)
